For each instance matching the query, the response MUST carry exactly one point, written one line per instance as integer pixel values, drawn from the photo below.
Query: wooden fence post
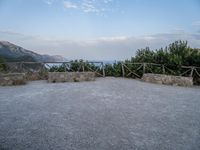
(21, 67)
(103, 69)
(192, 71)
(163, 69)
(144, 68)
(83, 66)
(123, 73)
(65, 68)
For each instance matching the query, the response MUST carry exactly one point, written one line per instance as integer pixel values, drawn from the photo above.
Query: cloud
(107, 1)
(196, 26)
(98, 7)
(116, 38)
(102, 48)
(49, 2)
(68, 4)
(89, 6)
(196, 23)
(10, 32)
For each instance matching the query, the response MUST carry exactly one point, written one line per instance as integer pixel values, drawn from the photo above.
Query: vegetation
(74, 66)
(174, 56)
(2, 66)
(113, 69)
(25, 58)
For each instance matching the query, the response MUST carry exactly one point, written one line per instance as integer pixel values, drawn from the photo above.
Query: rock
(168, 79)
(70, 76)
(12, 79)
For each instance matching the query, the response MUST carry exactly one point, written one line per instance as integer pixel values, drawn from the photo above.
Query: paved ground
(108, 114)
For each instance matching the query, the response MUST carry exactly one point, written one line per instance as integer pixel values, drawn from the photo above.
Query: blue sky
(98, 29)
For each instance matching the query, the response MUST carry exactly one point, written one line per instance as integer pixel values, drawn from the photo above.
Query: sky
(98, 29)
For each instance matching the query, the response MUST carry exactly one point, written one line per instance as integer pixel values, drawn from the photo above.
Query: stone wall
(70, 76)
(32, 76)
(12, 79)
(168, 79)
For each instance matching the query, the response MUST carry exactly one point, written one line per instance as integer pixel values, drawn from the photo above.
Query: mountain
(12, 52)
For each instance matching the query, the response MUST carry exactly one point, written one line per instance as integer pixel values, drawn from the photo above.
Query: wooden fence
(138, 69)
(24, 67)
(135, 70)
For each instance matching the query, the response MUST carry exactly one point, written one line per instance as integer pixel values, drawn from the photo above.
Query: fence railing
(28, 67)
(138, 69)
(135, 70)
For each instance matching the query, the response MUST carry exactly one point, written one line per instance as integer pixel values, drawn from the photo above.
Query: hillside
(12, 52)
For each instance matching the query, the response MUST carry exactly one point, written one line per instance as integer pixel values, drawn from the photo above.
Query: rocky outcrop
(168, 79)
(12, 79)
(70, 76)
(12, 52)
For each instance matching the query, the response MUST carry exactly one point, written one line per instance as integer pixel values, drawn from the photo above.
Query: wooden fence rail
(135, 70)
(98, 67)
(138, 69)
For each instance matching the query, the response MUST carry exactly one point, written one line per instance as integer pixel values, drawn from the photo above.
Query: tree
(161, 56)
(144, 55)
(2, 66)
(178, 53)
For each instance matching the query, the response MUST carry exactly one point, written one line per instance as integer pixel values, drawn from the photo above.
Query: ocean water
(49, 65)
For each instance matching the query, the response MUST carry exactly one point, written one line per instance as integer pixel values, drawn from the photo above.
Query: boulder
(12, 79)
(70, 76)
(168, 79)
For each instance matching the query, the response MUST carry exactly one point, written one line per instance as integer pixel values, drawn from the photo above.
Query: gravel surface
(107, 114)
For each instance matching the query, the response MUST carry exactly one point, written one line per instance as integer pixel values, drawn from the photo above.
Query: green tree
(144, 55)
(161, 56)
(2, 65)
(178, 53)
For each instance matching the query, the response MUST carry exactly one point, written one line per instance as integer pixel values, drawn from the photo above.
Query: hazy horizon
(98, 29)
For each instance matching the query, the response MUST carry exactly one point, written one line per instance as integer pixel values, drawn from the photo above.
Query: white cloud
(116, 38)
(49, 2)
(149, 38)
(107, 1)
(89, 6)
(13, 34)
(68, 4)
(196, 26)
(196, 23)
(10, 32)
(102, 48)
